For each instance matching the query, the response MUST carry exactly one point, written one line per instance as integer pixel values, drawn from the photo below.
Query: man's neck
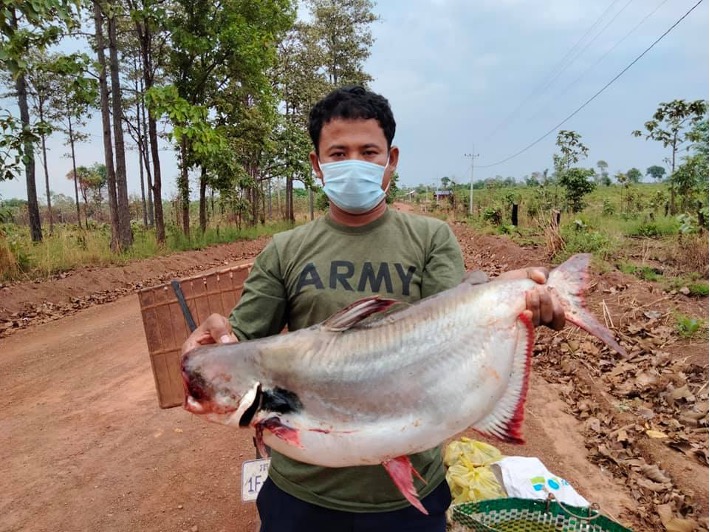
(357, 220)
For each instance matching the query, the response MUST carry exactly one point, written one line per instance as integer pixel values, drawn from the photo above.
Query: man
(305, 275)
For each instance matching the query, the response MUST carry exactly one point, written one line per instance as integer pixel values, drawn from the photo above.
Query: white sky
(498, 74)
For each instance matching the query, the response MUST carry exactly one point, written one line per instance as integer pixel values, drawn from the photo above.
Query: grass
(688, 327)
(70, 247)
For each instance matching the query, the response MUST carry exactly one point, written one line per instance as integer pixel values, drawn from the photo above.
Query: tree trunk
(203, 199)
(32, 203)
(46, 170)
(124, 214)
(76, 177)
(145, 39)
(106, 124)
(289, 200)
(184, 189)
(672, 179)
(146, 159)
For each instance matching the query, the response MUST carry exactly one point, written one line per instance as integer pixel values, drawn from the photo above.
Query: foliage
(341, 29)
(571, 150)
(656, 172)
(634, 175)
(674, 124)
(577, 184)
(13, 139)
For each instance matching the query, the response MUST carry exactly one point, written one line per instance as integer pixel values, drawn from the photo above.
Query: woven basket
(166, 329)
(525, 515)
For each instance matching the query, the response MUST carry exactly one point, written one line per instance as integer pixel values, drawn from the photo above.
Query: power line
(564, 91)
(556, 70)
(526, 148)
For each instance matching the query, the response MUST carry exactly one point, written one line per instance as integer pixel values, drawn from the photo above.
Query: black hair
(351, 103)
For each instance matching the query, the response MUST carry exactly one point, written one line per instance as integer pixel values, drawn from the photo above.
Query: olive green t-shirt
(307, 274)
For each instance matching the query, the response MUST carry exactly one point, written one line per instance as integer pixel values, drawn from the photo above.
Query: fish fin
(356, 312)
(400, 470)
(568, 281)
(278, 429)
(506, 420)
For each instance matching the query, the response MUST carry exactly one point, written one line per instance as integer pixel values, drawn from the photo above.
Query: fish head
(219, 386)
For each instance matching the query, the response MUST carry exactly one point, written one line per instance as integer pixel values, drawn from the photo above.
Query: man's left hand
(542, 305)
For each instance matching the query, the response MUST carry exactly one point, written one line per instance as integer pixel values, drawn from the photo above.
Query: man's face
(342, 139)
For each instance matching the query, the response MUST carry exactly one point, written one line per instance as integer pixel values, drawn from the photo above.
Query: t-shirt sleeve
(444, 266)
(261, 309)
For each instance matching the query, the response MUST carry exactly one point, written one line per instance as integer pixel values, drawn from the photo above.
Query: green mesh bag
(525, 515)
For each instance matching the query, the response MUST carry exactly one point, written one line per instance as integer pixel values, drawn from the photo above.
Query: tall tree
(72, 94)
(215, 46)
(112, 9)
(100, 47)
(26, 26)
(149, 18)
(342, 30)
(671, 125)
(40, 78)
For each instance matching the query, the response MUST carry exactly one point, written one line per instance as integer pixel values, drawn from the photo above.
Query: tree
(91, 180)
(342, 31)
(634, 175)
(577, 184)
(574, 180)
(217, 48)
(39, 77)
(692, 175)
(671, 125)
(149, 19)
(71, 95)
(656, 172)
(603, 167)
(112, 9)
(26, 26)
(571, 150)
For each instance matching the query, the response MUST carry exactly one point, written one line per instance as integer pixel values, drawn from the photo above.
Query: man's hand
(542, 306)
(214, 330)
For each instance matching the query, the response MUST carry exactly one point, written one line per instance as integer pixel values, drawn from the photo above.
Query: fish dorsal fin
(354, 313)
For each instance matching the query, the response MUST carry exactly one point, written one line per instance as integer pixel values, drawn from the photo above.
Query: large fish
(371, 387)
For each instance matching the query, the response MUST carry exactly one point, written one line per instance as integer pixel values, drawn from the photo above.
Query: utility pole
(473, 156)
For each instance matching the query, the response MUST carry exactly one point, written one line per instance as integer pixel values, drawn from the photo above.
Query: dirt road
(85, 447)
(89, 449)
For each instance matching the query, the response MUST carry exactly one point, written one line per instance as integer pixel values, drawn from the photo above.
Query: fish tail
(569, 280)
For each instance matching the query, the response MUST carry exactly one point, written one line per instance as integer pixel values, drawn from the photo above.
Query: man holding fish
(360, 249)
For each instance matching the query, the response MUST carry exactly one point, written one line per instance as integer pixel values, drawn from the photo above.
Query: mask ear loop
(389, 182)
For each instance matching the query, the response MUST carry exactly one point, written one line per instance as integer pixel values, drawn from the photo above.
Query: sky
(490, 77)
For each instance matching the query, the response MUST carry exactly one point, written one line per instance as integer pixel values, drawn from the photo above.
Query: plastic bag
(476, 452)
(469, 475)
(528, 478)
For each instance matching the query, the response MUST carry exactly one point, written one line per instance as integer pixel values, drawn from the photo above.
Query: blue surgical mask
(353, 185)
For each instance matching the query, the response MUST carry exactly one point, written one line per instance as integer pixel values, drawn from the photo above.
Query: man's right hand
(214, 330)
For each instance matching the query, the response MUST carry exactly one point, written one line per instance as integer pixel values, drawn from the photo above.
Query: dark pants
(281, 512)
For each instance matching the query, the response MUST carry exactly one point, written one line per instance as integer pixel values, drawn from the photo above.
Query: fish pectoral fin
(400, 470)
(506, 420)
(280, 430)
(356, 312)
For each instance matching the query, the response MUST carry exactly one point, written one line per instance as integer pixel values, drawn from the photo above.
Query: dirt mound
(26, 303)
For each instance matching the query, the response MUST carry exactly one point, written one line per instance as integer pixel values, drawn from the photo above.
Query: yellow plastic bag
(469, 476)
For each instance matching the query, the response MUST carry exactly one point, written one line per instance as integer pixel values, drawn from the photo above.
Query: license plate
(254, 473)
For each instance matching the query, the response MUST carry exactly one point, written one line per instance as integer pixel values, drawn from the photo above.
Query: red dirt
(86, 447)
